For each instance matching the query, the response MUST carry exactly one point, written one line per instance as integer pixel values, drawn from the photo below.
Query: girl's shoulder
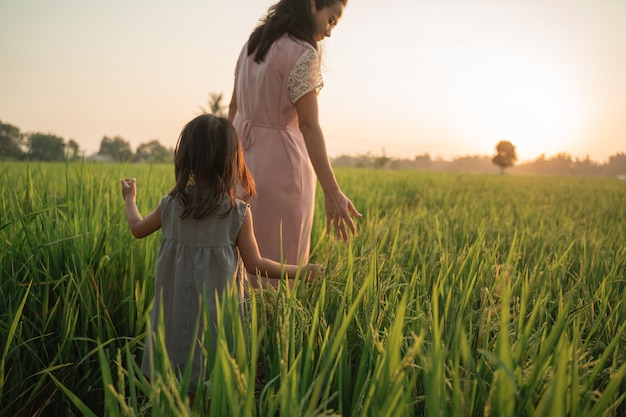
(241, 207)
(166, 200)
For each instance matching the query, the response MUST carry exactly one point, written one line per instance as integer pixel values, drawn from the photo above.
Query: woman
(275, 111)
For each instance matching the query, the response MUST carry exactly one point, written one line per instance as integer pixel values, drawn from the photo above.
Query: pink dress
(274, 147)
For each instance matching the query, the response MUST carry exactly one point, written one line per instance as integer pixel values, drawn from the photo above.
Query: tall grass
(461, 296)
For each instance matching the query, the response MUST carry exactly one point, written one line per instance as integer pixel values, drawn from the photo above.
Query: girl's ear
(312, 6)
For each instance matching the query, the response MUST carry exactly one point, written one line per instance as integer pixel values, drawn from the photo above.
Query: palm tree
(215, 105)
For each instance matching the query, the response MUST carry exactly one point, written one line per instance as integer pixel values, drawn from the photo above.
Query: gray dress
(197, 260)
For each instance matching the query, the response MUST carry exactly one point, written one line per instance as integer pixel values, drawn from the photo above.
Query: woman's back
(268, 90)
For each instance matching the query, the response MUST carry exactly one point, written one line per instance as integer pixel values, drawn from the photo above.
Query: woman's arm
(339, 208)
(140, 227)
(249, 251)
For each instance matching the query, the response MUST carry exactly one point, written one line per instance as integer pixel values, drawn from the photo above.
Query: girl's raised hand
(129, 188)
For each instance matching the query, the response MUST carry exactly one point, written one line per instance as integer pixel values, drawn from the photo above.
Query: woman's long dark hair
(209, 166)
(287, 16)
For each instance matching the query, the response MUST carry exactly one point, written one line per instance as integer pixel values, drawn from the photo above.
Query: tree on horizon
(45, 147)
(505, 155)
(11, 142)
(117, 148)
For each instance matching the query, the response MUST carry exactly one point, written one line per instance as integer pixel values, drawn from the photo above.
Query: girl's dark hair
(209, 165)
(287, 16)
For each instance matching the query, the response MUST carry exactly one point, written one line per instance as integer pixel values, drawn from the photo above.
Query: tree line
(561, 164)
(18, 146)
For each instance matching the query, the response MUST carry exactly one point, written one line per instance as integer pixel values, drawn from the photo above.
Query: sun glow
(522, 100)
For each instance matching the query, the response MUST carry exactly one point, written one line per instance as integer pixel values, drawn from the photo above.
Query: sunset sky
(443, 77)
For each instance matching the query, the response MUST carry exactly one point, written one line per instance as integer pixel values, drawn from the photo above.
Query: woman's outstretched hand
(339, 213)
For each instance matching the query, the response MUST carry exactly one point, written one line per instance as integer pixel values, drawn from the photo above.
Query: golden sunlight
(525, 101)
(535, 110)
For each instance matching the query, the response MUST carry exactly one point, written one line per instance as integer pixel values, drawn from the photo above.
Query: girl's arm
(140, 227)
(339, 208)
(249, 250)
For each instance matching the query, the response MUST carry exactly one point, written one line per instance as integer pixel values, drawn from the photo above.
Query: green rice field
(462, 295)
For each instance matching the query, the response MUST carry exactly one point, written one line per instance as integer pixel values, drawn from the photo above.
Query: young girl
(207, 230)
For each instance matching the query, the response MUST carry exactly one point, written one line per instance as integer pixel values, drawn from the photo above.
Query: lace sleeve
(305, 76)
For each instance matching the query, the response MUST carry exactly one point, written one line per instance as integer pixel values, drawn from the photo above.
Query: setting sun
(535, 109)
(531, 103)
